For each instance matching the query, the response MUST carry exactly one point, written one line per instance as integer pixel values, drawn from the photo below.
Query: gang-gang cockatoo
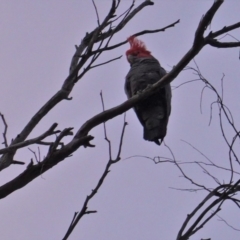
(153, 112)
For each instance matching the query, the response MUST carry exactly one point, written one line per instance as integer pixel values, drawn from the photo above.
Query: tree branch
(215, 43)
(136, 34)
(84, 211)
(206, 20)
(5, 130)
(223, 30)
(49, 132)
(125, 20)
(34, 171)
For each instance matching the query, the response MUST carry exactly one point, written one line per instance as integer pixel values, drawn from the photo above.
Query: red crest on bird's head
(137, 48)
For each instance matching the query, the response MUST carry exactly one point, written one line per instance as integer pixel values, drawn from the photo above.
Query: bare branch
(215, 43)
(50, 161)
(207, 219)
(223, 30)
(7, 158)
(208, 159)
(105, 130)
(18, 162)
(223, 193)
(222, 220)
(126, 20)
(95, 7)
(5, 130)
(187, 189)
(180, 85)
(97, 65)
(223, 111)
(121, 141)
(157, 30)
(183, 173)
(38, 160)
(125, 13)
(189, 144)
(84, 210)
(156, 160)
(208, 173)
(205, 21)
(137, 34)
(37, 140)
(190, 231)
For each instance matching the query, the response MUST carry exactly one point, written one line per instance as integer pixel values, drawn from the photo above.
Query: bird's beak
(130, 58)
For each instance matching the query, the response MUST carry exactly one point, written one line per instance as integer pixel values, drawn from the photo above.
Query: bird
(145, 70)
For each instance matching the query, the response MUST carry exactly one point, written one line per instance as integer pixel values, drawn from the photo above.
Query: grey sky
(135, 202)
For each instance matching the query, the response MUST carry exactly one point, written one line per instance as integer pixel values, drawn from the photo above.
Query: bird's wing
(131, 88)
(127, 87)
(138, 79)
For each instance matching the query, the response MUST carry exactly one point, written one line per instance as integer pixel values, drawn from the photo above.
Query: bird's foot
(142, 90)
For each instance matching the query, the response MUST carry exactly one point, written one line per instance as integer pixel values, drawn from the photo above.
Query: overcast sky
(136, 201)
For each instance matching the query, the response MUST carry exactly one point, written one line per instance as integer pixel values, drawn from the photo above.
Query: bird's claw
(142, 90)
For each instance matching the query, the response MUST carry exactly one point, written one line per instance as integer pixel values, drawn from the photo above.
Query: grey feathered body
(153, 112)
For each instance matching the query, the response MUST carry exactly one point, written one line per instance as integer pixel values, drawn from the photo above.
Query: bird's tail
(155, 124)
(155, 130)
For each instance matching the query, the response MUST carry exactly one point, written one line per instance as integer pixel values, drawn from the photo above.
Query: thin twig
(223, 111)
(222, 220)
(223, 30)
(35, 155)
(84, 210)
(105, 130)
(181, 170)
(95, 7)
(36, 140)
(137, 34)
(111, 60)
(121, 140)
(54, 146)
(156, 160)
(5, 130)
(187, 82)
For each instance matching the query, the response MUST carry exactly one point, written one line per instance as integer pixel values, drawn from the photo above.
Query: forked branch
(84, 210)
